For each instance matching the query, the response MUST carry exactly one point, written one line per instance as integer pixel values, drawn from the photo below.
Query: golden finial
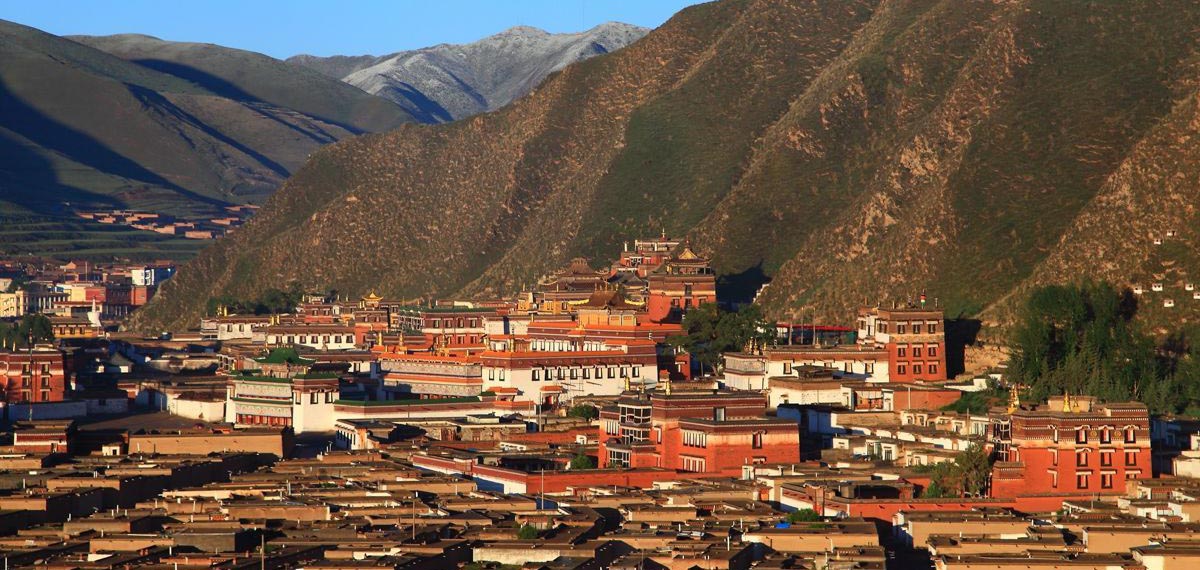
(1014, 398)
(1067, 407)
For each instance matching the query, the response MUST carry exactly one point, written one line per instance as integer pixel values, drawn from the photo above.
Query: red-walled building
(1070, 445)
(701, 431)
(914, 338)
(37, 376)
(681, 283)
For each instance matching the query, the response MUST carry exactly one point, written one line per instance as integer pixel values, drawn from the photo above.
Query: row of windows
(1129, 434)
(1081, 458)
(1083, 480)
(904, 327)
(931, 351)
(563, 346)
(315, 397)
(451, 323)
(692, 438)
(694, 464)
(931, 368)
(318, 339)
(586, 373)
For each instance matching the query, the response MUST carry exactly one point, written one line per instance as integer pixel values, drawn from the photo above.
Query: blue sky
(347, 27)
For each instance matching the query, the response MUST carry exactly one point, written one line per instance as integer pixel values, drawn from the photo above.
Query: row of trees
(268, 302)
(709, 331)
(18, 334)
(1082, 339)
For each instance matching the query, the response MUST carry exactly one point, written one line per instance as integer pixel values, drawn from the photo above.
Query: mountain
(844, 151)
(176, 128)
(248, 76)
(448, 82)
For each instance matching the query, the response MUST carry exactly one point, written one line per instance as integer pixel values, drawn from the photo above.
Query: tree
(1080, 339)
(17, 335)
(582, 461)
(527, 532)
(973, 467)
(803, 515)
(709, 332)
(583, 411)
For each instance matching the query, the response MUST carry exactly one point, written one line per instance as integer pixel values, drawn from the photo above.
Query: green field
(64, 238)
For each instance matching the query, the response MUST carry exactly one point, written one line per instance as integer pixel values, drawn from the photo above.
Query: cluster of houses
(566, 428)
(207, 228)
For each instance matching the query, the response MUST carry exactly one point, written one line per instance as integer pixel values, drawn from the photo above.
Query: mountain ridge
(445, 82)
(839, 152)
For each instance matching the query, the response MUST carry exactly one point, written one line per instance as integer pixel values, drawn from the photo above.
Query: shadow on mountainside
(960, 333)
(228, 90)
(29, 181)
(31, 124)
(737, 289)
(154, 99)
(422, 108)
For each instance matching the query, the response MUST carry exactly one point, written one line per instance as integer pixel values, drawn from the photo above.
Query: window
(901, 369)
(719, 414)
(916, 351)
(787, 368)
(537, 375)
(587, 373)
(328, 397)
(932, 352)
(695, 464)
(916, 369)
(1081, 435)
(1105, 458)
(612, 372)
(1130, 435)
(1081, 458)
(933, 369)
(1105, 435)
(756, 440)
(1081, 481)
(1131, 458)
(312, 397)
(901, 351)
(869, 367)
(692, 438)
(901, 328)
(1106, 480)
(637, 371)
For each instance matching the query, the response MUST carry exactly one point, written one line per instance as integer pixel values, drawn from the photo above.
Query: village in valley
(620, 416)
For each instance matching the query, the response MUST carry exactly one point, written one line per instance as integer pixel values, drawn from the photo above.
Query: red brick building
(701, 431)
(1070, 445)
(914, 338)
(681, 283)
(33, 376)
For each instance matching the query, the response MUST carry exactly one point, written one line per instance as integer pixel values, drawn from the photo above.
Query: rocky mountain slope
(845, 151)
(174, 128)
(448, 82)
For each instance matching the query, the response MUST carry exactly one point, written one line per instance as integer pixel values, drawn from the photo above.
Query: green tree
(973, 468)
(1080, 339)
(527, 532)
(709, 332)
(584, 411)
(17, 335)
(803, 515)
(582, 461)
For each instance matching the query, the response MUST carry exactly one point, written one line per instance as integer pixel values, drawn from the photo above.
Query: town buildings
(34, 375)
(702, 431)
(1070, 445)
